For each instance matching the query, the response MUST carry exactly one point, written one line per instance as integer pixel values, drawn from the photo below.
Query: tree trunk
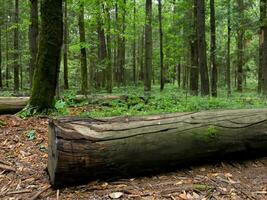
(7, 56)
(261, 46)
(134, 43)
(214, 74)
(162, 77)
(202, 54)
(240, 45)
(83, 57)
(16, 47)
(33, 35)
(194, 71)
(48, 58)
(228, 68)
(1, 80)
(109, 54)
(141, 55)
(148, 47)
(80, 150)
(65, 46)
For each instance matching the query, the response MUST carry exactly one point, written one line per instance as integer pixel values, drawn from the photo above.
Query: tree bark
(16, 47)
(148, 47)
(65, 46)
(214, 74)
(202, 54)
(48, 58)
(228, 68)
(83, 56)
(33, 35)
(134, 43)
(80, 150)
(162, 74)
(240, 45)
(1, 80)
(263, 47)
(109, 54)
(194, 71)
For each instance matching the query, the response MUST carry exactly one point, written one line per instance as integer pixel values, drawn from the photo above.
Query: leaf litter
(23, 160)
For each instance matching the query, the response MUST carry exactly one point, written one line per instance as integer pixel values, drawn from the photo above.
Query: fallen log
(86, 149)
(12, 105)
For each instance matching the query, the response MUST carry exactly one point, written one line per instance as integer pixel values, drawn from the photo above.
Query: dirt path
(23, 157)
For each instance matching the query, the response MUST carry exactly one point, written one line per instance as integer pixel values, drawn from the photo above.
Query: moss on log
(87, 149)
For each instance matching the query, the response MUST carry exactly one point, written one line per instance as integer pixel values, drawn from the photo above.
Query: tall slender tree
(162, 77)
(48, 58)
(109, 52)
(228, 67)
(264, 48)
(240, 45)
(202, 54)
(213, 50)
(33, 35)
(194, 71)
(148, 47)
(1, 80)
(134, 42)
(65, 46)
(16, 47)
(261, 37)
(83, 56)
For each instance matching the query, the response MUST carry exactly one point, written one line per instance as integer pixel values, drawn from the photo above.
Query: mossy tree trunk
(48, 58)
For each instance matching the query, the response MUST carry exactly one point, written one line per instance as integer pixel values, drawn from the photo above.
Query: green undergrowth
(169, 101)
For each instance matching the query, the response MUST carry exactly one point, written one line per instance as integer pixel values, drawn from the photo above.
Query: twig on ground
(8, 168)
(34, 197)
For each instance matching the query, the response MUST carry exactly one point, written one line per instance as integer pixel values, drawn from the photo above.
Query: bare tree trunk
(65, 46)
(202, 54)
(214, 74)
(109, 63)
(1, 80)
(194, 70)
(162, 74)
(16, 47)
(261, 39)
(33, 35)
(83, 57)
(240, 45)
(148, 47)
(228, 69)
(264, 51)
(134, 44)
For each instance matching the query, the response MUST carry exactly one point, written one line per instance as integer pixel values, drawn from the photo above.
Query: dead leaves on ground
(23, 158)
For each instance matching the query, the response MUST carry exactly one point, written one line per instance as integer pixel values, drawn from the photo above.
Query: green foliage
(2, 123)
(61, 107)
(31, 135)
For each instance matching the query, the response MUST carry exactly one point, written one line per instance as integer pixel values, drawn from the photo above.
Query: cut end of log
(52, 153)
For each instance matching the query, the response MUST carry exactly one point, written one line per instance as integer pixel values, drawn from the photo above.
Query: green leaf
(31, 135)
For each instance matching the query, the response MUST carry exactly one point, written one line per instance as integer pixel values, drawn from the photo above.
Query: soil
(23, 160)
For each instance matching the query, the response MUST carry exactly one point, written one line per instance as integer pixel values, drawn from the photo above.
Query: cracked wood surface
(92, 148)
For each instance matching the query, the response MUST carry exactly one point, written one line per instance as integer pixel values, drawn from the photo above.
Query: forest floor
(23, 160)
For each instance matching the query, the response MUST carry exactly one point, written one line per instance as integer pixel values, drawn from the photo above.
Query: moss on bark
(48, 58)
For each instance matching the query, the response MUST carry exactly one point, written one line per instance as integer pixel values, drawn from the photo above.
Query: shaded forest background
(201, 47)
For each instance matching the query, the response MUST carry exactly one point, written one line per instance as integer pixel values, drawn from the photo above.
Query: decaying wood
(11, 105)
(86, 149)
